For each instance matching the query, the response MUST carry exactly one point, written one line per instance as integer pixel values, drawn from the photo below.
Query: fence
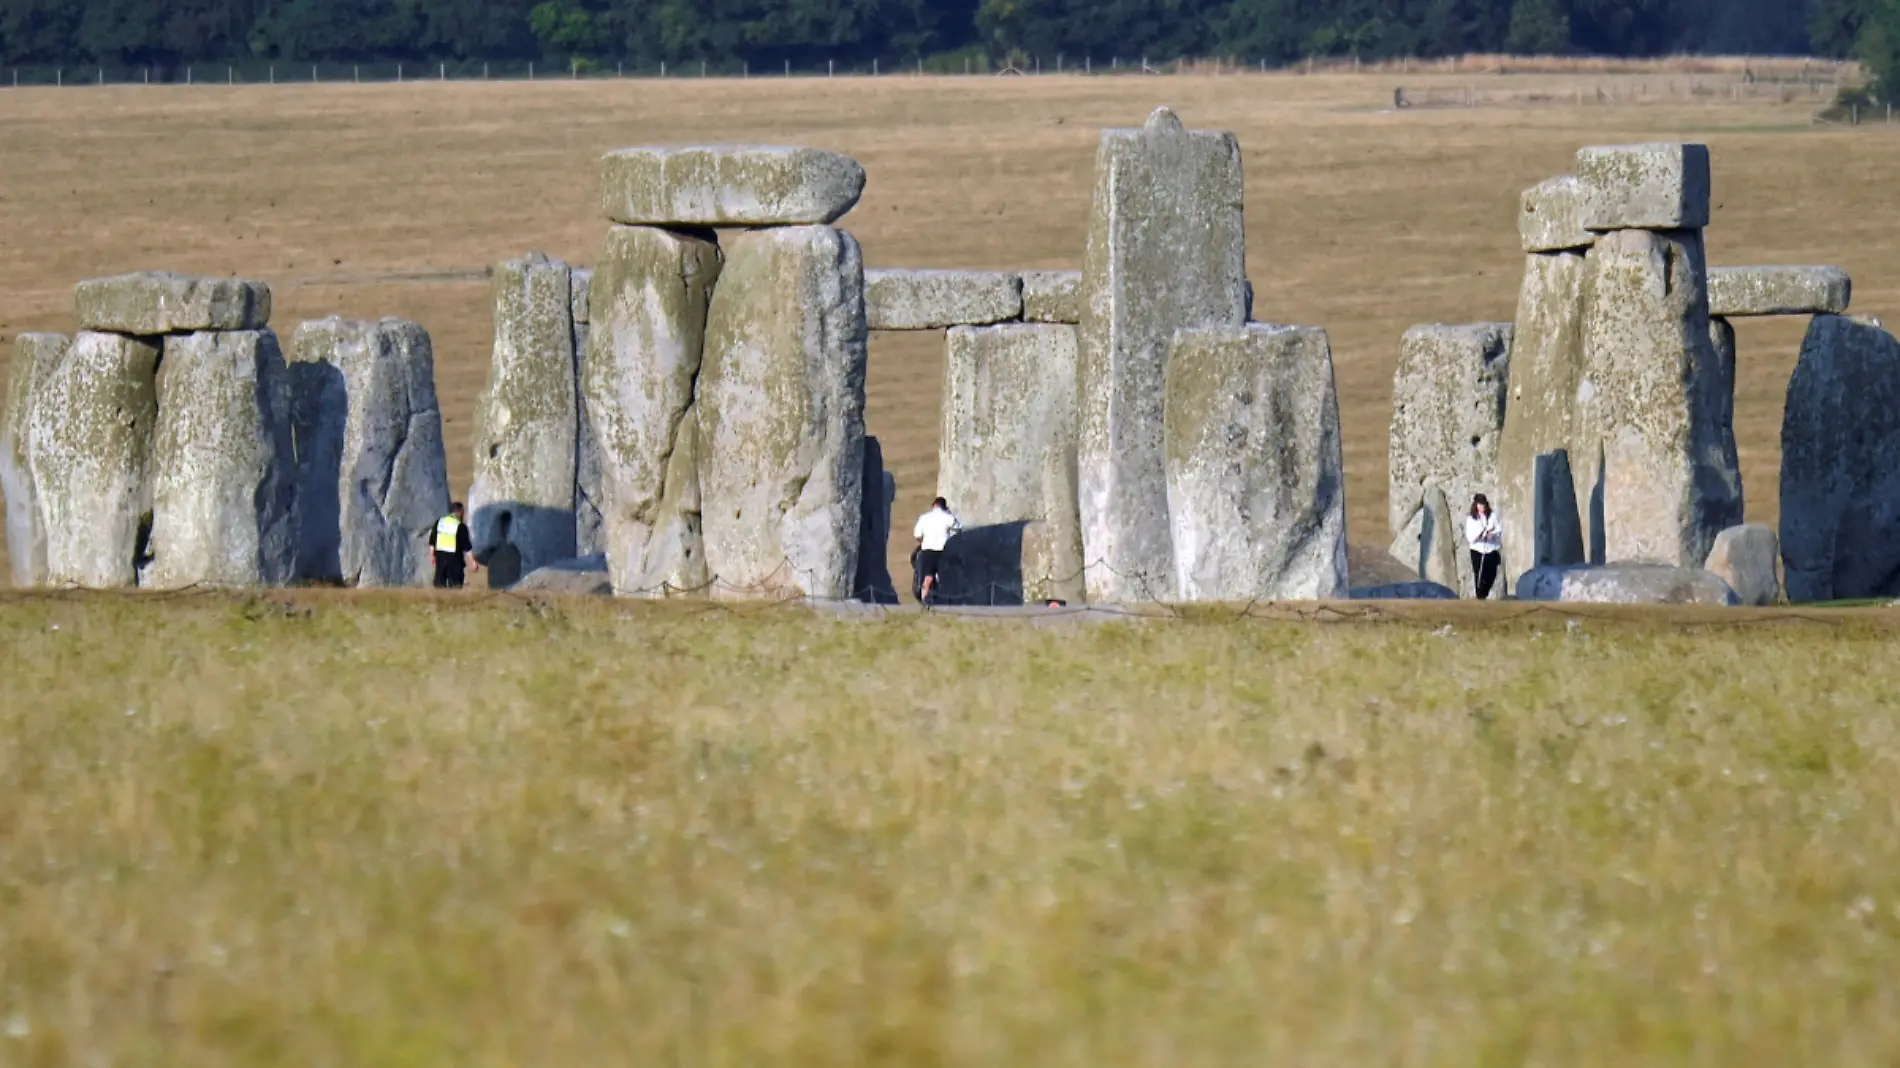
(1708, 89)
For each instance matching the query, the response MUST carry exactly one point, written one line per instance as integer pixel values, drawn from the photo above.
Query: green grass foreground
(333, 830)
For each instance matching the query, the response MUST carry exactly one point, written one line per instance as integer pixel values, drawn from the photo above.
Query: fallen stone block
(1661, 398)
(1432, 543)
(1052, 296)
(1626, 584)
(1645, 187)
(1406, 591)
(1742, 291)
(1166, 251)
(89, 441)
(584, 576)
(1256, 477)
(1008, 430)
(1448, 401)
(372, 474)
(224, 477)
(1551, 219)
(728, 185)
(163, 302)
(1840, 464)
(1543, 417)
(35, 356)
(781, 414)
(527, 422)
(1745, 558)
(650, 295)
(935, 300)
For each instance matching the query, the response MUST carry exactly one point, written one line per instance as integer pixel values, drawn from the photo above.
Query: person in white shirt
(1486, 536)
(934, 530)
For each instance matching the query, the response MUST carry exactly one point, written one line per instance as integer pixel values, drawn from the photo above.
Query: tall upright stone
(223, 473)
(1008, 433)
(873, 582)
(1660, 399)
(527, 422)
(1432, 544)
(589, 536)
(1543, 420)
(372, 474)
(1448, 401)
(648, 302)
(89, 441)
(1166, 251)
(34, 358)
(781, 412)
(1256, 475)
(1840, 464)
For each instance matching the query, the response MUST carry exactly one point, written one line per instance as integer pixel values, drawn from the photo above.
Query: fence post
(313, 72)
(356, 72)
(745, 68)
(830, 67)
(788, 68)
(273, 74)
(1088, 65)
(399, 74)
(874, 68)
(620, 69)
(662, 68)
(230, 76)
(531, 72)
(148, 75)
(1058, 63)
(188, 73)
(702, 68)
(573, 67)
(442, 72)
(59, 76)
(966, 65)
(484, 70)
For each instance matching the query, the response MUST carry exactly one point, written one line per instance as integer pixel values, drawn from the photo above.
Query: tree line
(812, 32)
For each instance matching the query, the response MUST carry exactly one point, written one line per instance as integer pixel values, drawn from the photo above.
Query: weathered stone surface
(1166, 251)
(1406, 591)
(1552, 216)
(163, 302)
(1626, 584)
(1256, 478)
(781, 410)
(372, 475)
(933, 300)
(580, 287)
(1840, 464)
(1544, 417)
(650, 294)
(1745, 558)
(34, 358)
(728, 185)
(590, 537)
(89, 442)
(1645, 187)
(873, 582)
(1008, 429)
(581, 576)
(1741, 291)
(1432, 544)
(1661, 397)
(223, 472)
(527, 422)
(1448, 400)
(1052, 296)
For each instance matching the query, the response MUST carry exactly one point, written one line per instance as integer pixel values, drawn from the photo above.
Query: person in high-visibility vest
(454, 549)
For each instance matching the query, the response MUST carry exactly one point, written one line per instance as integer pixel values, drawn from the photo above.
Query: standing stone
(1840, 464)
(933, 300)
(162, 302)
(1741, 291)
(223, 473)
(728, 185)
(1557, 532)
(1432, 544)
(1448, 400)
(873, 582)
(1166, 251)
(1008, 427)
(589, 539)
(1052, 296)
(1645, 187)
(1552, 216)
(1660, 398)
(89, 441)
(526, 423)
(372, 474)
(781, 409)
(650, 294)
(1256, 478)
(35, 356)
(1745, 557)
(1543, 418)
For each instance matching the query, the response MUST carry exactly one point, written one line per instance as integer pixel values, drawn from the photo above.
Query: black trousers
(451, 571)
(1484, 568)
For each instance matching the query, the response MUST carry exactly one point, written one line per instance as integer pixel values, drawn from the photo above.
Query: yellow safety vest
(446, 530)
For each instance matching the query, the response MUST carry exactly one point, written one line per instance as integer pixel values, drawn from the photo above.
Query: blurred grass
(329, 829)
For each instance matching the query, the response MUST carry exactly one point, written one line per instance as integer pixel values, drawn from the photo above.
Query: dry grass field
(392, 199)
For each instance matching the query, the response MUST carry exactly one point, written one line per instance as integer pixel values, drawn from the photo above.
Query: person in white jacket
(1486, 536)
(933, 531)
